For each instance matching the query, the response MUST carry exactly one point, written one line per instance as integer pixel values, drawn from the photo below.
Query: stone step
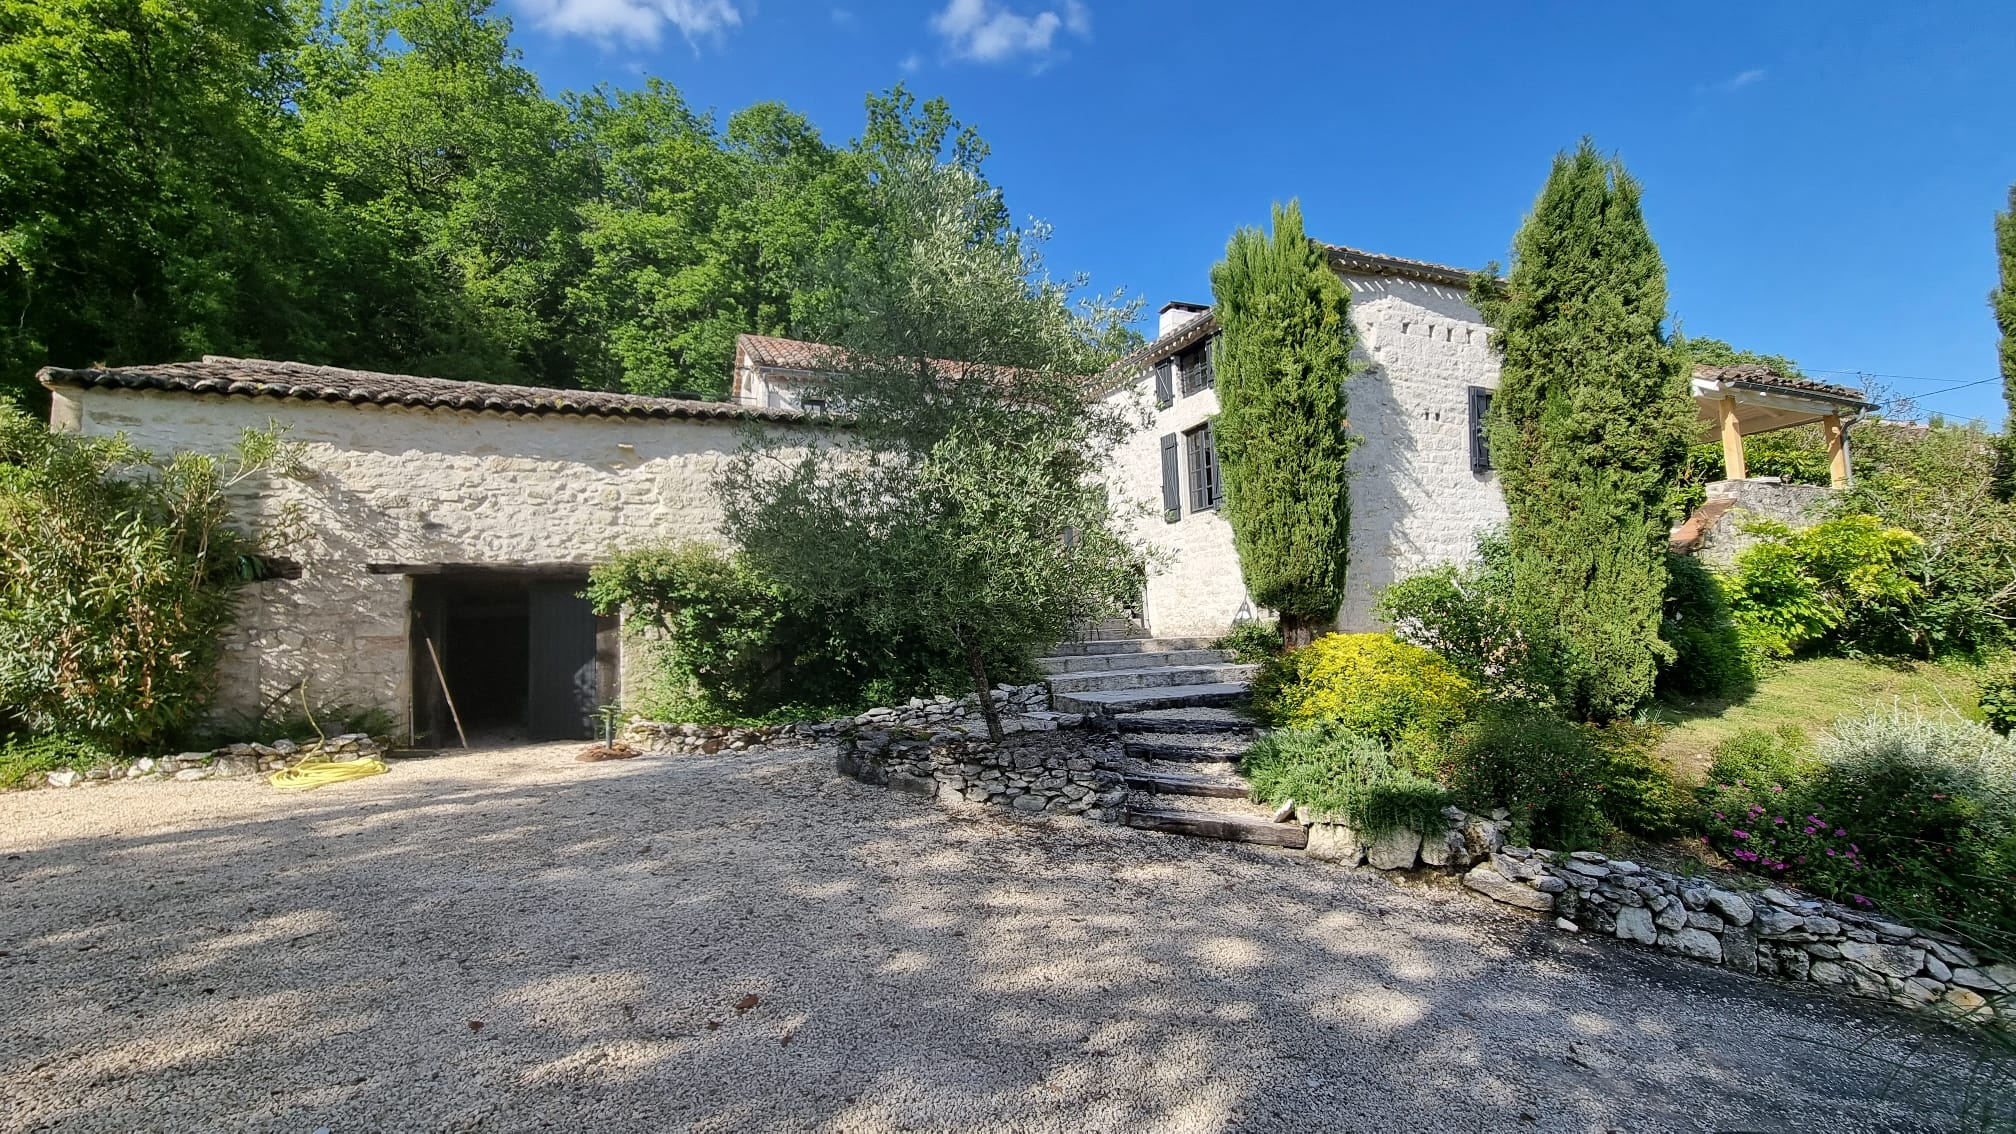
(1112, 633)
(1110, 680)
(1170, 783)
(1222, 747)
(1160, 659)
(1231, 826)
(1190, 719)
(1129, 646)
(1106, 704)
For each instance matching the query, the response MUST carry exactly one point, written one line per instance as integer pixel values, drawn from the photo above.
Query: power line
(1873, 374)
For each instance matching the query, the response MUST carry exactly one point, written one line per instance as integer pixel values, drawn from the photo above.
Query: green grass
(1813, 694)
(24, 760)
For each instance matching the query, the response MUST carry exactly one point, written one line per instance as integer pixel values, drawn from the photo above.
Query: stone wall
(1732, 505)
(1415, 502)
(229, 762)
(392, 485)
(1072, 771)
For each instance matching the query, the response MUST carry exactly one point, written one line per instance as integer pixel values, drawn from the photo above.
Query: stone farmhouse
(1422, 486)
(434, 540)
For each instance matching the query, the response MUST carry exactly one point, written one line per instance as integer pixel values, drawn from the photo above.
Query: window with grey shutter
(1172, 489)
(1480, 449)
(1205, 491)
(1165, 385)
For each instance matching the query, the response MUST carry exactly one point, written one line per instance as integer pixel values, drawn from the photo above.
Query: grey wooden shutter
(1172, 488)
(1165, 384)
(1480, 449)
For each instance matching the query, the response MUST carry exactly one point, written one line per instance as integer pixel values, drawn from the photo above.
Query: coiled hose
(311, 774)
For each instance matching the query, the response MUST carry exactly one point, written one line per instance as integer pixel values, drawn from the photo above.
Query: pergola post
(1837, 450)
(1734, 467)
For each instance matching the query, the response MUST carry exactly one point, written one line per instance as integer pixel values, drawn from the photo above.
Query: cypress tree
(1281, 360)
(2004, 302)
(1589, 427)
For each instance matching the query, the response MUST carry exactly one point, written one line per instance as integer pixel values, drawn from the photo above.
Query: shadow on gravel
(578, 948)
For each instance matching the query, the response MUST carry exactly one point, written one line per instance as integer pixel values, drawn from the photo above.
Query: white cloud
(910, 63)
(635, 20)
(989, 33)
(1737, 81)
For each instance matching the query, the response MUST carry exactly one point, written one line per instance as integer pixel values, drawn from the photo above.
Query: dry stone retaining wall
(220, 763)
(1075, 772)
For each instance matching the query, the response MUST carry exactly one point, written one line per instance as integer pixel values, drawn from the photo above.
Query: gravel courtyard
(509, 940)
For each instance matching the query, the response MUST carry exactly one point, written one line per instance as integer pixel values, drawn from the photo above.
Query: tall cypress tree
(2004, 302)
(1588, 429)
(1281, 361)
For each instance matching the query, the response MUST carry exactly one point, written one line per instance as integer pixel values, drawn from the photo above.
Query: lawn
(1811, 694)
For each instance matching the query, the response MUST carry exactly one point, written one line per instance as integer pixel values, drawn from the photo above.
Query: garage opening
(517, 655)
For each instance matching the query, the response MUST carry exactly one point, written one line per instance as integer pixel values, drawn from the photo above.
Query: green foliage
(117, 583)
(1897, 810)
(738, 646)
(1709, 658)
(1940, 482)
(1281, 360)
(1795, 456)
(1345, 775)
(1717, 352)
(25, 758)
(1589, 426)
(1371, 684)
(384, 184)
(961, 509)
(1998, 700)
(1252, 642)
(1845, 583)
(1465, 614)
(2003, 302)
(1569, 786)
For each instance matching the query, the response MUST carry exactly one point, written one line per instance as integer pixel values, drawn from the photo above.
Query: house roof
(1355, 261)
(252, 377)
(1758, 376)
(774, 353)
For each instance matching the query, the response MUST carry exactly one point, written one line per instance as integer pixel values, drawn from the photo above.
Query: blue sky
(1821, 187)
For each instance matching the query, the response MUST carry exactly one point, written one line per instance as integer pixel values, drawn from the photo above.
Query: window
(1480, 409)
(1196, 367)
(1165, 385)
(1203, 456)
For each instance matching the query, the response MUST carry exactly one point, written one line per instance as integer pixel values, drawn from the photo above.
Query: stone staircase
(1181, 768)
(1117, 668)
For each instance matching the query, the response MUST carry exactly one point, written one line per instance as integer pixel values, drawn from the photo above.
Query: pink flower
(1741, 834)
(1775, 787)
(1839, 833)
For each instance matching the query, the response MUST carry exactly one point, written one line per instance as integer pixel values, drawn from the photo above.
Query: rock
(1621, 866)
(1634, 923)
(1483, 837)
(1890, 960)
(1499, 888)
(1285, 812)
(1730, 907)
(1893, 931)
(1706, 921)
(1923, 990)
(188, 774)
(1822, 950)
(1549, 884)
(1822, 926)
(1513, 867)
(1937, 969)
(1827, 972)
(1793, 964)
(1029, 803)
(1588, 869)
(1954, 955)
(68, 777)
(285, 747)
(1395, 850)
(236, 764)
(1588, 856)
(1965, 999)
(905, 782)
(1449, 848)
(1566, 926)
(1994, 978)
(1739, 948)
(1334, 842)
(1699, 945)
(1674, 917)
(1775, 922)
(1696, 898)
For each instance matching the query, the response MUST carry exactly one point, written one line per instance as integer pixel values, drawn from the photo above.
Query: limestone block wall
(392, 485)
(1415, 500)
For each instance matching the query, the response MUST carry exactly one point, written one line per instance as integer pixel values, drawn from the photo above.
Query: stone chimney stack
(1175, 313)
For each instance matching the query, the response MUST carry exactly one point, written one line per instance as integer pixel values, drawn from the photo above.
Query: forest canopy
(383, 184)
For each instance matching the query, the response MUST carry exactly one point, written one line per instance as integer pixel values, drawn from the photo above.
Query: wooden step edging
(1219, 825)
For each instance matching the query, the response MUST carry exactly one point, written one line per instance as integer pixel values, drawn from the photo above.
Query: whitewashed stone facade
(382, 486)
(1416, 500)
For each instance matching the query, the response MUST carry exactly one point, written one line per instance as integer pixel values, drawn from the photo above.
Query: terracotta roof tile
(1757, 374)
(251, 377)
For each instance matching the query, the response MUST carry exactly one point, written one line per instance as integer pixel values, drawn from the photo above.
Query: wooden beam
(1734, 467)
(1837, 450)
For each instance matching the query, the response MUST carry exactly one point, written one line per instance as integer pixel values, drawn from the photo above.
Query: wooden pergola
(1735, 402)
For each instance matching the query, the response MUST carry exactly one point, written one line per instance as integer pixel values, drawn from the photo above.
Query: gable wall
(391, 485)
(1415, 501)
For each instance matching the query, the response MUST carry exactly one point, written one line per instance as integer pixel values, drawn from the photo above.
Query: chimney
(1175, 313)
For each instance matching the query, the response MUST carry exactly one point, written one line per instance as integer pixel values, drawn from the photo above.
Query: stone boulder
(1395, 850)
(1499, 888)
(1335, 842)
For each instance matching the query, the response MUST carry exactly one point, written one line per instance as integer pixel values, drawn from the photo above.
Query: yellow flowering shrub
(1372, 684)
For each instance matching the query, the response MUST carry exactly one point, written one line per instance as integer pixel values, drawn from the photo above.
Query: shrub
(1568, 785)
(118, 580)
(738, 646)
(1998, 701)
(1346, 774)
(1252, 642)
(1709, 659)
(1371, 684)
(1465, 615)
(1844, 582)
(25, 758)
(1892, 809)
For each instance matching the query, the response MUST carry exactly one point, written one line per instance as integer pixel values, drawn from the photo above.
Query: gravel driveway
(508, 940)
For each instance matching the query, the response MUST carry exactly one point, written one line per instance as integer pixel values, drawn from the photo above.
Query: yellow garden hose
(311, 774)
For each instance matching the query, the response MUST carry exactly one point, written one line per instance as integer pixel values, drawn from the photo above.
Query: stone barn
(436, 535)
